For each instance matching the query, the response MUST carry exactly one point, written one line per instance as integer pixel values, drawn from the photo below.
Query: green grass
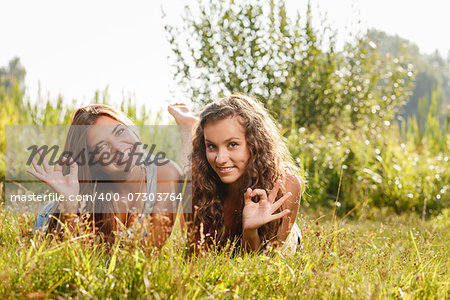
(387, 256)
(373, 253)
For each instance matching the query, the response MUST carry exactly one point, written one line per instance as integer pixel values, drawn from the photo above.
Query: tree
(431, 70)
(14, 73)
(292, 67)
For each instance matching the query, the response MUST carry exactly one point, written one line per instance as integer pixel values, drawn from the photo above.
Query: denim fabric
(43, 218)
(297, 230)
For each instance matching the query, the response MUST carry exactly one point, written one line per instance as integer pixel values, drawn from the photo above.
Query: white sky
(74, 48)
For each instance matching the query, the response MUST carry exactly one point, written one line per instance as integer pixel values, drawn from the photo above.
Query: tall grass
(16, 109)
(430, 127)
(390, 257)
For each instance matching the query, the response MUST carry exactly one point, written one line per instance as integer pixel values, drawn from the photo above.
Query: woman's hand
(257, 214)
(182, 114)
(67, 186)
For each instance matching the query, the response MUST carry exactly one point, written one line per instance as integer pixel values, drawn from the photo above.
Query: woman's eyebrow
(227, 140)
(232, 138)
(115, 128)
(97, 145)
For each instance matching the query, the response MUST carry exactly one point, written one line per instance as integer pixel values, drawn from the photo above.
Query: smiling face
(112, 142)
(226, 148)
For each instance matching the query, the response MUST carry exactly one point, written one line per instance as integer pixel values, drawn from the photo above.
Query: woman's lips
(225, 170)
(123, 156)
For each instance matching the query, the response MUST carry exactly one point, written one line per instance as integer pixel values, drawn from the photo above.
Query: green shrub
(379, 168)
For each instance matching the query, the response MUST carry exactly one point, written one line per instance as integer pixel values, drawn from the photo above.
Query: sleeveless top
(293, 242)
(48, 209)
(152, 187)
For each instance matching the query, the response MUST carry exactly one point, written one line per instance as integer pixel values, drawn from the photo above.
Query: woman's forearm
(251, 240)
(69, 214)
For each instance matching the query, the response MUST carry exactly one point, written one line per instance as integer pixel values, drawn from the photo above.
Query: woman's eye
(233, 144)
(120, 131)
(100, 148)
(210, 146)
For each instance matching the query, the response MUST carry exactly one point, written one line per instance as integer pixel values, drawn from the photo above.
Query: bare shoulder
(294, 184)
(169, 171)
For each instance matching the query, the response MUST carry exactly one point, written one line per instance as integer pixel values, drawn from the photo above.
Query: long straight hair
(76, 143)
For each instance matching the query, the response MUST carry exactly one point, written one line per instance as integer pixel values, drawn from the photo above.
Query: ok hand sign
(257, 214)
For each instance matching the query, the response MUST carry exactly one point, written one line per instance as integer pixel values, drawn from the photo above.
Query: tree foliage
(291, 66)
(13, 74)
(336, 105)
(432, 71)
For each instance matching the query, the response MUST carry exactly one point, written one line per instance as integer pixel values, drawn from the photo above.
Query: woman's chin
(119, 172)
(229, 179)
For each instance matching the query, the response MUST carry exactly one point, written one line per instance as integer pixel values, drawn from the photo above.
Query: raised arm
(257, 214)
(66, 185)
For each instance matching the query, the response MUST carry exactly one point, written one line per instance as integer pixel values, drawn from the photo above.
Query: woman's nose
(222, 156)
(114, 147)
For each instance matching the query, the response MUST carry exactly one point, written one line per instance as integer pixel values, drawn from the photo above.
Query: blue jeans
(43, 218)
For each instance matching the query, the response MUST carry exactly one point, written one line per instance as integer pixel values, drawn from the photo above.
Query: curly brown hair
(269, 161)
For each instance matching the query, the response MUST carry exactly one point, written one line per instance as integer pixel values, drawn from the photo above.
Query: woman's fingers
(274, 192)
(58, 165)
(37, 175)
(279, 215)
(259, 192)
(247, 197)
(36, 167)
(73, 172)
(45, 163)
(73, 167)
(280, 202)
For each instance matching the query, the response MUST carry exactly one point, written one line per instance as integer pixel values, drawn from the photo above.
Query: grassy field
(387, 256)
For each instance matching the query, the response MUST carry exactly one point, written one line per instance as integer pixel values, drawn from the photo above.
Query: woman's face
(112, 142)
(226, 148)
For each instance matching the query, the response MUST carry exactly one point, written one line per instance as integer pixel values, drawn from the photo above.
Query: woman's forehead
(224, 128)
(105, 120)
(103, 125)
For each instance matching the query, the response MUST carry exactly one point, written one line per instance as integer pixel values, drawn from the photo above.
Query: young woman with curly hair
(245, 184)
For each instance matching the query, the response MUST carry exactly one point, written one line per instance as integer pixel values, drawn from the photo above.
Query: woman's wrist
(69, 205)
(251, 239)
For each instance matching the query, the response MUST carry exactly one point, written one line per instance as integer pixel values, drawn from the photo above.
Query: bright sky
(74, 48)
